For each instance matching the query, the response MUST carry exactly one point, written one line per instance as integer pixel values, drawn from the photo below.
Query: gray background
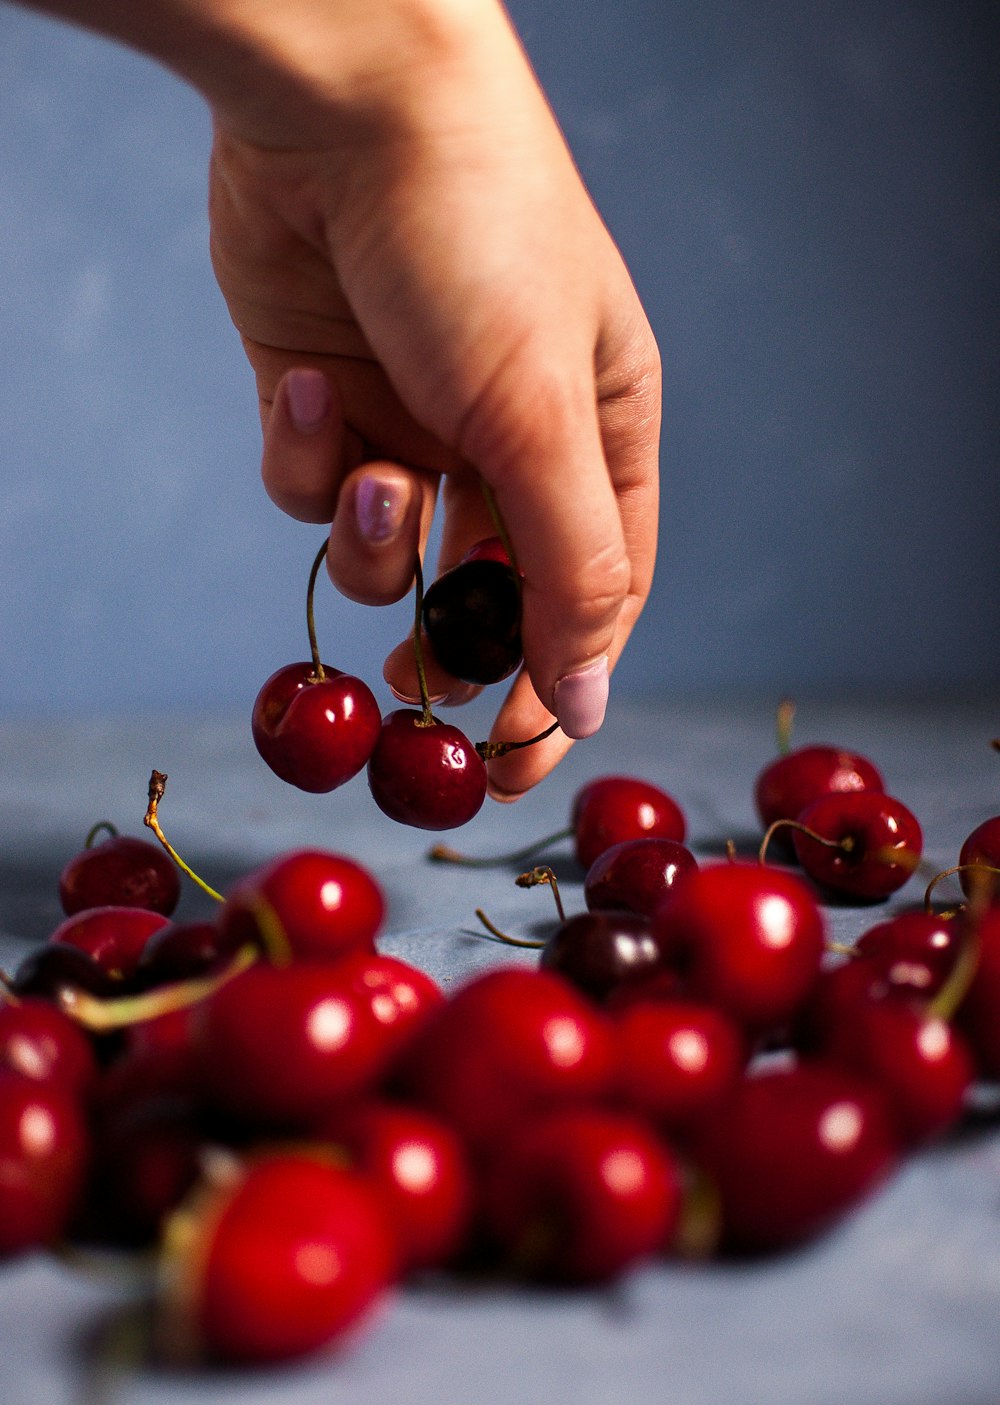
(808, 198)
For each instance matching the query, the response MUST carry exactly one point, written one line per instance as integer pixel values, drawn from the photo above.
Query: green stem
(95, 830)
(428, 719)
(499, 526)
(157, 785)
(442, 853)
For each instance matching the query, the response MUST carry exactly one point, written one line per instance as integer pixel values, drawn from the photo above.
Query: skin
(414, 265)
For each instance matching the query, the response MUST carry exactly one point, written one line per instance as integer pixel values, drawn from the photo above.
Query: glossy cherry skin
(38, 1041)
(611, 809)
(44, 1148)
(977, 1015)
(637, 874)
(677, 1060)
(287, 1259)
(122, 872)
(792, 1151)
(419, 1167)
(602, 952)
(981, 847)
(401, 997)
(789, 783)
(321, 904)
(749, 939)
(51, 968)
(877, 843)
(914, 950)
(114, 936)
(430, 777)
(281, 1046)
(315, 734)
(472, 616)
(579, 1194)
(510, 1042)
(183, 951)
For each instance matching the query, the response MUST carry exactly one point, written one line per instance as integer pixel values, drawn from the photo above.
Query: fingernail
(414, 701)
(379, 508)
(505, 797)
(308, 398)
(580, 699)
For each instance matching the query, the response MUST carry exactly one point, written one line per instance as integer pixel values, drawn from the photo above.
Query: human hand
(426, 295)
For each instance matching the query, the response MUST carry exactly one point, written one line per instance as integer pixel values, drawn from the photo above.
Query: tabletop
(898, 1306)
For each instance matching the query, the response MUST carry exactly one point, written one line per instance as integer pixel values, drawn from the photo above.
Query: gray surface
(897, 1308)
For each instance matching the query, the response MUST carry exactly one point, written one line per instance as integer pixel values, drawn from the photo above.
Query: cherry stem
(319, 672)
(442, 853)
(784, 721)
(489, 750)
(543, 875)
(105, 825)
(505, 936)
(116, 1013)
(845, 845)
(157, 785)
(428, 719)
(500, 527)
(981, 869)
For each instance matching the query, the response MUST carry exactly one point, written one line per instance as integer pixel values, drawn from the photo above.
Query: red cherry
(873, 844)
(637, 874)
(148, 1157)
(286, 1260)
(749, 937)
(426, 775)
(39, 1041)
(579, 1194)
(420, 1168)
(509, 1042)
(677, 1060)
(322, 904)
(602, 953)
(912, 950)
(121, 872)
(611, 809)
(114, 936)
(51, 968)
(401, 997)
(43, 1157)
(982, 847)
(792, 1151)
(315, 733)
(789, 783)
(977, 1015)
(182, 951)
(283, 1045)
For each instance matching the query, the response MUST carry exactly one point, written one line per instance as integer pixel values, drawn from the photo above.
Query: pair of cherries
(317, 727)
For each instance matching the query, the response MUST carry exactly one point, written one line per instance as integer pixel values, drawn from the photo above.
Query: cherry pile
(293, 1122)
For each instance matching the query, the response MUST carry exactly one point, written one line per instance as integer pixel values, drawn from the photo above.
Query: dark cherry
(472, 616)
(315, 733)
(793, 1150)
(278, 1260)
(317, 904)
(790, 782)
(982, 847)
(977, 1015)
(913, 950)
(601, 952)
(578, 1194)
(611, 809)
(677, 1060)
(44, 1149)
(51, 968)
(39, 1041)
(114, 936)
(428, 775)
(749, 938)
(873, 844)
(637, 874)
(182, 951)
(120, 871)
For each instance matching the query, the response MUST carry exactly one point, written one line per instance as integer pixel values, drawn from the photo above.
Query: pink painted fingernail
(380, 508)
(581, 699)
(308, 398)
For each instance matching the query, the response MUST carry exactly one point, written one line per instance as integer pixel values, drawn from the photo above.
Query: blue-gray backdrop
(808, 198)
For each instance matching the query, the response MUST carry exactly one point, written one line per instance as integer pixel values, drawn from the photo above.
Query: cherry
(509, 1042)
(120, 871)
(677, 1060)
(43, 1156)
(611, 809)
(283, 1045)
(863, 844)
(601, 952)
(637, 874)
(420, 1168)
(981, 849)
(52, 968)
(579, 1194)
(791, 782)
(977, 1015)
(472, 615)
(183, 950)
(114, 936)
(792, 1150)
(39, 1041)
(401, 997)
(912, 949)
(280, 1260)
(316, 904)
(748, 938)
(426, 773)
